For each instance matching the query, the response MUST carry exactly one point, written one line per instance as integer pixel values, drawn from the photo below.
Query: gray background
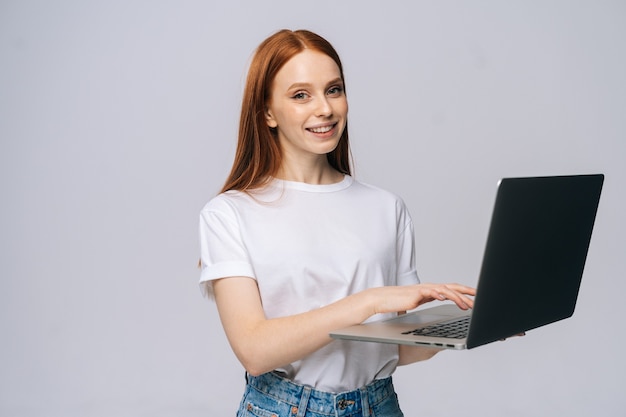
(118, 122)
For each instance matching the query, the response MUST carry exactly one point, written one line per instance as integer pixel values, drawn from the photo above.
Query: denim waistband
(304, 397)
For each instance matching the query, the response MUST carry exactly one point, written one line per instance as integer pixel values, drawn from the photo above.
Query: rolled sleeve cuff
(223, 270)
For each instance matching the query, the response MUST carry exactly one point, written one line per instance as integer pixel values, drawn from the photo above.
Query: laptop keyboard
(452, 329)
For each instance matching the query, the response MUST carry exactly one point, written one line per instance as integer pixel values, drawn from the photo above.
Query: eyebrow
(337, 80)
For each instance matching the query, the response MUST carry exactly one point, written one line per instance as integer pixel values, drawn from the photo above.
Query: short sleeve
(405, 248)
(222, 251)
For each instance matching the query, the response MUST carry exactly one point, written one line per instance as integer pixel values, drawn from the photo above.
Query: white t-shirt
(308, 246)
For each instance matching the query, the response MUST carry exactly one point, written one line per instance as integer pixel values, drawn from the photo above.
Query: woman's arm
(412, 354)
(262, 344)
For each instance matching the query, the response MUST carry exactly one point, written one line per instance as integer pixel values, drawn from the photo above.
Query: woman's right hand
(404, 298)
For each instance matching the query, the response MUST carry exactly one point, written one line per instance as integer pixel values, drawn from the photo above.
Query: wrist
(366, 303)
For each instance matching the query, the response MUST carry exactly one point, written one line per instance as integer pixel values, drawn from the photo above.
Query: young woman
(294, 247)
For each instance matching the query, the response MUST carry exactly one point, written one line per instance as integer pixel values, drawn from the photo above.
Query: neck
(313, 172)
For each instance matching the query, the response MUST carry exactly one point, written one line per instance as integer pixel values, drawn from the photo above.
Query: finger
(457, 297)
(463, 293)
(430, 294)
(463, 289)
(515, 335)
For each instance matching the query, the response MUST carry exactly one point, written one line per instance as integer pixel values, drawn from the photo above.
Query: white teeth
(321, 129)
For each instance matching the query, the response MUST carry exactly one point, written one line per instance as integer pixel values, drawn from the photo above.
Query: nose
(324, 108)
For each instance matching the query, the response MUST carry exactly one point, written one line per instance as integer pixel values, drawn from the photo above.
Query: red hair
(258, 156)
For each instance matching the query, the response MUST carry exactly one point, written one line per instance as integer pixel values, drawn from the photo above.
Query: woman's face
(307, 105)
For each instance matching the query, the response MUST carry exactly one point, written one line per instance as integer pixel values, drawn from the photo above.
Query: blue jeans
(270, 395)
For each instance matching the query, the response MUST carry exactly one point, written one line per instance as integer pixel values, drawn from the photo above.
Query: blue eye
(301, 95)
(335, 91)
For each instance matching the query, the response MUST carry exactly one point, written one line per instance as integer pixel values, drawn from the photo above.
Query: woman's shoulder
(376, 191)
(223, 202)
(232, 201)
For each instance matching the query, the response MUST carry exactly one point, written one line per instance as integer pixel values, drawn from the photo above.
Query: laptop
(531, 270)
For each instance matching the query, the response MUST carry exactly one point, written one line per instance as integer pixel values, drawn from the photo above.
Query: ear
(269, 118)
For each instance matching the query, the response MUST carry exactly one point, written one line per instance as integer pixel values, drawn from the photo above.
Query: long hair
(258, 156)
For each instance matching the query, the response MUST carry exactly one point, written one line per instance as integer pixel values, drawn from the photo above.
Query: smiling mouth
(322, 129)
